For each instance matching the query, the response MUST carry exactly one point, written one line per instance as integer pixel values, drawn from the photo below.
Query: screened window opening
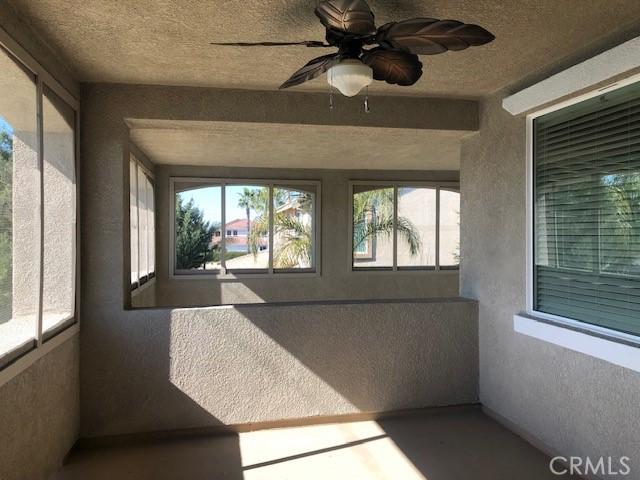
(229, 226)
(142, 224)
(247, 218)
(587, 211)
(37, 211)
(294, 229)
(59, 177)
(449, 238)
(404, 227)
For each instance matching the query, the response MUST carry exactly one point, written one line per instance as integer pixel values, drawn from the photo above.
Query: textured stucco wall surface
(573, 403)
(39, 415)
(147, 370)
(337, 281)
(150, 369)
(105, 156)
(40, 407)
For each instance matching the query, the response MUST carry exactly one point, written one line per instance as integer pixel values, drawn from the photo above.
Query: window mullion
(395, 227)
(270, 228)
(40, 130)
(437, 263)
(139, 256)
(223, 228)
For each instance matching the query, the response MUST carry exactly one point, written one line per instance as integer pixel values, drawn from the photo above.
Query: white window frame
(270, 271)
(150, 278)
(56, 338)
(611, 345)
(438, 186)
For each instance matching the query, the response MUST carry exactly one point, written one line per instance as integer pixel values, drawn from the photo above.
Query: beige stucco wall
(39, 415)
(573, 403)
(158, 369)
(336, 281)
(146, 370)
(40, 407)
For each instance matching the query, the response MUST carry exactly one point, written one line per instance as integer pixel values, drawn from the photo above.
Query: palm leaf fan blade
(348, 16)
(311, 70)
(393, 66)
(429, 36)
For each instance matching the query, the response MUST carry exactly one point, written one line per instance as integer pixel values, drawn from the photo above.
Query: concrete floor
(454, 444)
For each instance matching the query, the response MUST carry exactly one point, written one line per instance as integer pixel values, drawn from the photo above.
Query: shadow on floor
(453, 444)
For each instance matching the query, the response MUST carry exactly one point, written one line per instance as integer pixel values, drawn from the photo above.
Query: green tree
(247, 200)
(6, 227)
(295, 245)
(373, 217)
(619, 219)
(193, 236)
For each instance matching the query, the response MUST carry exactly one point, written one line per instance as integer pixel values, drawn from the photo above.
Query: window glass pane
(143, 207)
(294, 227)
(133, 218)
(372, 226)
(587, 211)
(416, 227)
(198, 218)
(247, 217)
(19, 209)
(151, 228)
(449, 228)
(58, 302)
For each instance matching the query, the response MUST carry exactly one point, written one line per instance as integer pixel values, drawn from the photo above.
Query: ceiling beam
(302, 108)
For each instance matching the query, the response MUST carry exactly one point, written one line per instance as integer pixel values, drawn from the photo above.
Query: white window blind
(587, 211)
(143, 245)
(151, 229)
(133, 218)
(142, 224)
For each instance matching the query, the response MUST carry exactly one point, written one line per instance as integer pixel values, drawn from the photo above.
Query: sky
(208, 199)
(4, 125)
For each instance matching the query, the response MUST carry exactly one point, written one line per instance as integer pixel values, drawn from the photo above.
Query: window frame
(597, 330)
(270, 271)
(149, 279)
(19, 359)
(438, 186)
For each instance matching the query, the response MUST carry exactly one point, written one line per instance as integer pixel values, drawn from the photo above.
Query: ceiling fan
(350, 27)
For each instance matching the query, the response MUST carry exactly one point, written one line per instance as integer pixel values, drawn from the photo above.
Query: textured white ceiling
(167, 41)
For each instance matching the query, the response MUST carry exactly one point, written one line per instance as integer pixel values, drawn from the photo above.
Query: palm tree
(247, 200)
(373, 216)
(295, 245)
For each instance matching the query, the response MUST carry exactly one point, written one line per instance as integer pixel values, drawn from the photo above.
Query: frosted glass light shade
(350, 76)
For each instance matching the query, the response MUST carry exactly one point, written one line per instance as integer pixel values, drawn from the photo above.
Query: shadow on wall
(160, 370)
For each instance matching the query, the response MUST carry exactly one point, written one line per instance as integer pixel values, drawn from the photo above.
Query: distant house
(293, 206)
(237, 234)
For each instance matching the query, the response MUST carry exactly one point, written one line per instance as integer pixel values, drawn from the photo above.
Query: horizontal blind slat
(587, 210)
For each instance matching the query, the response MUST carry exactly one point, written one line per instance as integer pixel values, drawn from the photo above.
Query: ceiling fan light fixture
(350, 76)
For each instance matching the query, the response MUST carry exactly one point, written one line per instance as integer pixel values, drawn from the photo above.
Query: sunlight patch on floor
(360, 450)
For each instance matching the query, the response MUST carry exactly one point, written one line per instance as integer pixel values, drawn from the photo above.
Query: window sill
(28, 359)
(239, 276)
(583, 339)
(401, 271)
(143, 287)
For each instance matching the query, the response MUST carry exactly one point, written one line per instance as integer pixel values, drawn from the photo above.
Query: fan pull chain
(366, 102)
